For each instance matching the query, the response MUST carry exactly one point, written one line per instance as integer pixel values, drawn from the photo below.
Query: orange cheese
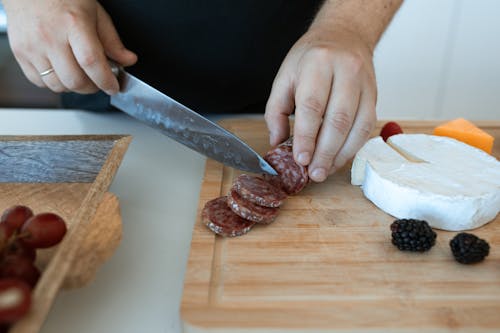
(465, 131)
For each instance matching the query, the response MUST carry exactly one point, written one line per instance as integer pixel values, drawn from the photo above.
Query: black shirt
(213, 56)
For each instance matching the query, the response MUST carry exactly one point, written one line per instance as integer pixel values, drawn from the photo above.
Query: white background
(440, 59)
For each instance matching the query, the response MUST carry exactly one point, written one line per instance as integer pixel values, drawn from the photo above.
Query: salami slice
(258, 191)
(219, 218)
(249, 210)
(292, 177)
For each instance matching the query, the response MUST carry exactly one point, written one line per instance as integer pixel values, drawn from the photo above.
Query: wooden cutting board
(327, 264)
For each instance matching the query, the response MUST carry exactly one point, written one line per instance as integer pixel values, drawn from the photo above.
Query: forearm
(367, 18)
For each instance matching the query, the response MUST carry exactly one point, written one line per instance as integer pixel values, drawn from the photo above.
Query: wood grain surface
(100, 242)
(92, 215)
(53, 159)
(327, 265)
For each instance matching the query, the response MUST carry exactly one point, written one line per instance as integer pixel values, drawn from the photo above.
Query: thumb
(113, 46)
(279, 107)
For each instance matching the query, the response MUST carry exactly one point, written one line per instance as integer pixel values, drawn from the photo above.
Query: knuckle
(366, 129)
(354, 63)
(88, 59)
(304, 137)
(42, 31)
(73, 16)
(272, 107)
(325, 157)
(321, 53)
(340, 121)
(269, 117)
(311, 104)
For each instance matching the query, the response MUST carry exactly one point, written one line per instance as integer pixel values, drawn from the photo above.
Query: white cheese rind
(374, 150)
(454, 213)
(456, 188)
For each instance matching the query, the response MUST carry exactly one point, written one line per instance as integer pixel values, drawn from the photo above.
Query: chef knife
(182, 124)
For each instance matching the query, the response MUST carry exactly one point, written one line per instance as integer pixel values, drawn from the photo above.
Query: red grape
(18, 248)
(20, 268)
(391, 128)
(15, 216)
(15, 300)
(6, 232)
(43, 230)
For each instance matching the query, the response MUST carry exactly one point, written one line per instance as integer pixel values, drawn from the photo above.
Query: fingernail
(304, 158)
(318, 175)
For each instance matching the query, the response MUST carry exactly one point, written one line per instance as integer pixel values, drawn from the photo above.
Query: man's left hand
(328, 79)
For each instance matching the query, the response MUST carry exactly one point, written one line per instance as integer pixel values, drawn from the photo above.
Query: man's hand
(73, 37)
(328, 80)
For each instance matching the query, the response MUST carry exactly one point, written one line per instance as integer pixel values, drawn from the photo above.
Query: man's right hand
(75, 38)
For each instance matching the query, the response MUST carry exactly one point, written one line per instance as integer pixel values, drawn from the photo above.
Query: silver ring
(47, 72)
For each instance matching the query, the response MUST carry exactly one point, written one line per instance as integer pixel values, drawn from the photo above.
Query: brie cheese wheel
(375, 150)
(451, 185)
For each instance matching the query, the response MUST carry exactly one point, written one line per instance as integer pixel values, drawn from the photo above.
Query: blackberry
(412, 235)
(468, 248)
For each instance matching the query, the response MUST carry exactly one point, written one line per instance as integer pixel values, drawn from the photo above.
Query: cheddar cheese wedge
(465, 131)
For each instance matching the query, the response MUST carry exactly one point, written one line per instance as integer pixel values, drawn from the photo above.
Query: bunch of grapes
(21, 233)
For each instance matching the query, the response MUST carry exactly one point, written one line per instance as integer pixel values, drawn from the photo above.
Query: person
(310, 58)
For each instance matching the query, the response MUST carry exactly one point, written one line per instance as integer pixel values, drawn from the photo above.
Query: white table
(140, 288)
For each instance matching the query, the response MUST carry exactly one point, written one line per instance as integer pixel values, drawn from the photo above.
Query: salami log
(219, 218)
(292, 177)
(249, 210)
(258, 191)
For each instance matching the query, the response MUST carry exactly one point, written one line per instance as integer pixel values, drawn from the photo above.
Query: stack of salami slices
(254, 199)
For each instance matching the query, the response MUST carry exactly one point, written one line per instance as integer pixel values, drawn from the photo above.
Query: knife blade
(178, 122)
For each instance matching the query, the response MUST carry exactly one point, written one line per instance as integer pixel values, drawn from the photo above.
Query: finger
(51, 80)
(279, 107)
(113, 46)
(337, 122)
(31, 73)
(362, 128)
(70, 73)
(89, 54)
(311, 99)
